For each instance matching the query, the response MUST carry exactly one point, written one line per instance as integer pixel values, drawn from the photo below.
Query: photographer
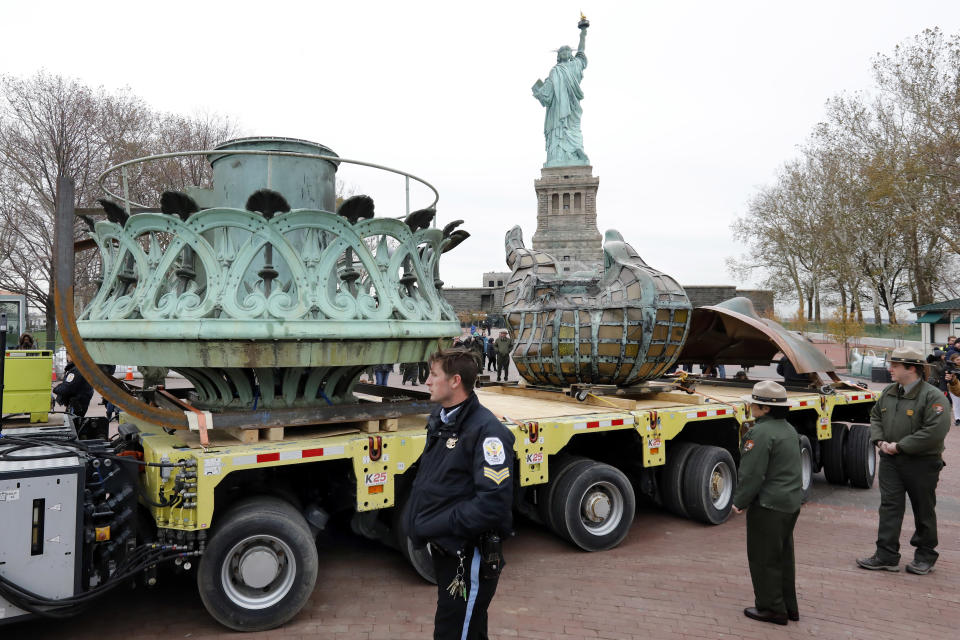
(954, 398)
(951, 376)
(938, 367)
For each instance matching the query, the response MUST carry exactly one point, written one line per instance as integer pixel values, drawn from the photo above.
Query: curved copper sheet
(732, 333)
(67, 321)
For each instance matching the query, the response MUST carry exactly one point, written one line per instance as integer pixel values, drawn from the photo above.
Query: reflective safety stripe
(595, 424)
(474, 587)
(709, 414)
(278, 456)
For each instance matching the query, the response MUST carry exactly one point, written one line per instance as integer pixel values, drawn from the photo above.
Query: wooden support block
(246, 436)
(272, 433)
(369, 426)
(389, 424)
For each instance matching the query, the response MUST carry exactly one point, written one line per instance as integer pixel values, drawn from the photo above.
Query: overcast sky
(688, 108)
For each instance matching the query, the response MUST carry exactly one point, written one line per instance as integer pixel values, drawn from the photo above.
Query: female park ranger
(770, 491)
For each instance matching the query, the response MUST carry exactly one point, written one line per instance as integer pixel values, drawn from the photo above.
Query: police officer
(462, 499)
(770, 490)
(74, 393)
(908, 424)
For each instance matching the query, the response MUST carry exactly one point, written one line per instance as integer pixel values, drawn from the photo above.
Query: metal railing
(124, 180)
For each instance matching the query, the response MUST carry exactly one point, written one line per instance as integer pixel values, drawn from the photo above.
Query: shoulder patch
(748, 445)
(493, 451)
(938, 408)
(496, 476)
(69, 377)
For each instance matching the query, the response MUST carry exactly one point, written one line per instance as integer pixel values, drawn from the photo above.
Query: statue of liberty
(561, 95)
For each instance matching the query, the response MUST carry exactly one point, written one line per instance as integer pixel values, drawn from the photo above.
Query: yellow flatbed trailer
(579, 467)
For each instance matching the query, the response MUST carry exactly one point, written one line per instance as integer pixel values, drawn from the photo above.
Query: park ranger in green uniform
(770, 490)
(908, 424)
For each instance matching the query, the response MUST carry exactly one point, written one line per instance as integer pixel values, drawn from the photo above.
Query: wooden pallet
(228, 437)
(225, 437)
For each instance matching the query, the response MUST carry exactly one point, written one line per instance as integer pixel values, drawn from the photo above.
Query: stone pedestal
(567, 217)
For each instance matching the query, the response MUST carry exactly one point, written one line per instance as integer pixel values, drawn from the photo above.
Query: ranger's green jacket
(770, 467)
(917, 421)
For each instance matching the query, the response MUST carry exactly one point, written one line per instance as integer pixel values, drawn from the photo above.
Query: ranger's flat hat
(906, 355)
(768, 392)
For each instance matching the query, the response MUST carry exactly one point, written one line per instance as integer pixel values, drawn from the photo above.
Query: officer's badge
(497, 476)
(938, 408)
(493, 451)
(909, 412)
(748, 445)
(451, 443)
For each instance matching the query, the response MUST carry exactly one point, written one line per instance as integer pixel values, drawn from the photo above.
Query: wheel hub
(716, 485)
(258, 567)
(597, 506)
(721, 485)
(258, 572)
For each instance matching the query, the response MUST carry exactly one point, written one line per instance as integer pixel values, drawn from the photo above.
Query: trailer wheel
(419, 558)
(594, 506)
(831, 452)
(709, 480)
(260, 566)
(859, 457)
(806, 468)
(545, 504)
(671, 487)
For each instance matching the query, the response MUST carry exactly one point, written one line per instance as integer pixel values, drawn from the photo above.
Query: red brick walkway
(670, 578)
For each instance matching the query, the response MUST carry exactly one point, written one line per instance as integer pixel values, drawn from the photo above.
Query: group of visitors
(943, 362)
(491, 354)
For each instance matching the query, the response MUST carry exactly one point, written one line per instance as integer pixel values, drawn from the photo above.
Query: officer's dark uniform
(74, 392)
(463, 489)
(770, 489)
(918, 420)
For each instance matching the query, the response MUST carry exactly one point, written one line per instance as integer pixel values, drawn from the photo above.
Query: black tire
(255, 537)
(671, 478)
(419, 558)
(859, 457)
(557, 470)
(709, 482)
(831, 452)
(593, 506)
(806, 474)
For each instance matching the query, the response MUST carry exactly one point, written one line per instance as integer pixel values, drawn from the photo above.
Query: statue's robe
(561, 95)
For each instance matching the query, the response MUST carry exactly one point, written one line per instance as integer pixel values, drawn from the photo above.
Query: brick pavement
(671, 578)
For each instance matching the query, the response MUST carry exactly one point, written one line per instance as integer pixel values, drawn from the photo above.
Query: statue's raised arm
(583, 24)
(560, 93)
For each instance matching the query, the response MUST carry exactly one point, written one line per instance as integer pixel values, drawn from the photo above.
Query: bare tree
(51, 127)
(872, 202)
